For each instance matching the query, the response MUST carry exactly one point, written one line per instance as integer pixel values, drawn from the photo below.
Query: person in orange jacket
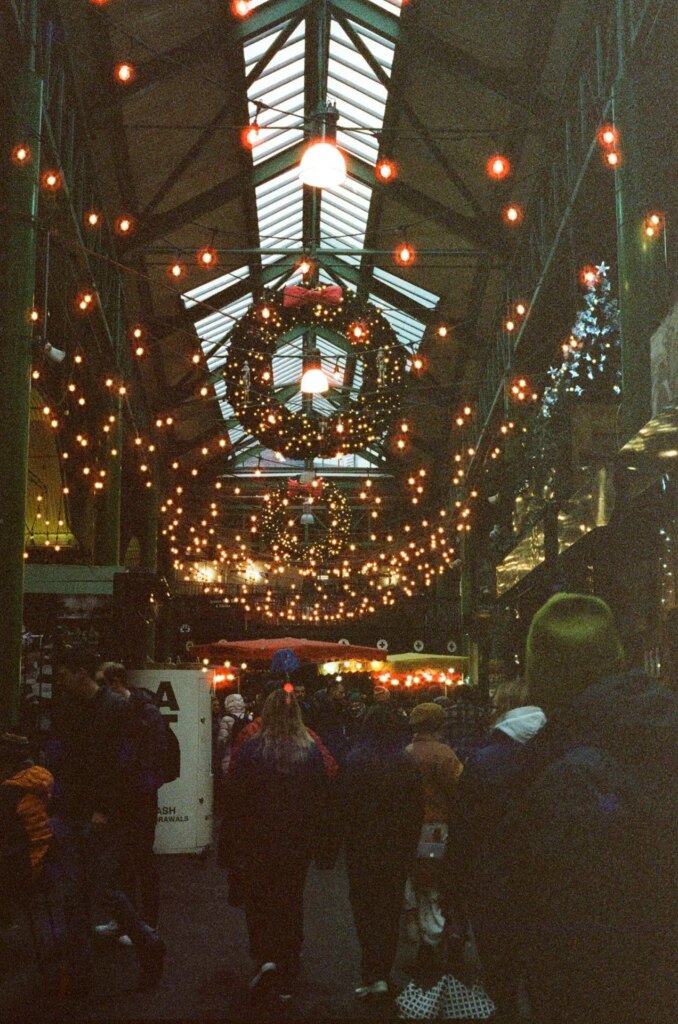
(25, 833)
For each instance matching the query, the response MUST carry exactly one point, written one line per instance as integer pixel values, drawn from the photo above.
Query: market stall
(413, 670)
(260, 653)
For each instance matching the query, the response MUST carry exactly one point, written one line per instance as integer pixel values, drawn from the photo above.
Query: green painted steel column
(107, 536)
(637, 256)
(148, 539)
(466, 592)
(18, 284)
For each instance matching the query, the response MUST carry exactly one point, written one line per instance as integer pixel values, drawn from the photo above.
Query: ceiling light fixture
(314, 379)
(322, 164)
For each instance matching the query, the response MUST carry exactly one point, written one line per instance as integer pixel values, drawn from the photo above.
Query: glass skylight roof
(216, 326)
(361, 96)
(412, 291)
(204, 291)
(281, 86)
(280, 210)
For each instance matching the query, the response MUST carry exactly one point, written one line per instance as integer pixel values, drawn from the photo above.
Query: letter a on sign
(166, 698)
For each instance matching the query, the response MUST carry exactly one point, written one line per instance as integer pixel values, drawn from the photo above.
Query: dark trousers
(138, 867)
(87, 867)
(376, 897)
(274, 908)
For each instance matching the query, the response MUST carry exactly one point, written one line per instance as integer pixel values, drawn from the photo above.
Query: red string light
(386, 170)
(404, 255)
(498, 167)
(21, 154)
(207, 257)
(512, 214)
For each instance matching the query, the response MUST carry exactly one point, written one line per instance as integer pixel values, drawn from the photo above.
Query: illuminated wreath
(281, 526)
(358, 421)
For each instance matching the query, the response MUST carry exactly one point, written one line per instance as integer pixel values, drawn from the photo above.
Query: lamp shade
(314, 382)
(322, 165)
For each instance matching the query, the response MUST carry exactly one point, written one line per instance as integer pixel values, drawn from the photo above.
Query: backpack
(240, 722)
(172, 761)
(154, 754)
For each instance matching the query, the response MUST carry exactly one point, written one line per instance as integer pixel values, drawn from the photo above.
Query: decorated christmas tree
(590, 371)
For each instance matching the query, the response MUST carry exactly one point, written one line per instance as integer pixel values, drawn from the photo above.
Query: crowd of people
(539, 831)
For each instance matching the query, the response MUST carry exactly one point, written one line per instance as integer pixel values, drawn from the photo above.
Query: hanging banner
(184, 805)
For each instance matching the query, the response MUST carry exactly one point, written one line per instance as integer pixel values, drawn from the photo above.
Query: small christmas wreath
(365, 334)
(322, 536)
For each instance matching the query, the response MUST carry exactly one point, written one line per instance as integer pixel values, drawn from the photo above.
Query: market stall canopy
(434, 662)
(260, 652)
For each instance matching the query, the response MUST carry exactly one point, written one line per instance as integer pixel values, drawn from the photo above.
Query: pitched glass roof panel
(361, 96)
(216, 326)
(408, 329)
(280, 208)
(281, 86)
(412, 291)
(361, 99)
(203, 291)
(392, 6)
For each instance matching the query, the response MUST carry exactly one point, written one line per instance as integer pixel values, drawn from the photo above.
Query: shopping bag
(448, 999)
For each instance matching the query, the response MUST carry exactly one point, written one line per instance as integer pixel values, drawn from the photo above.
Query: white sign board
(185, 805)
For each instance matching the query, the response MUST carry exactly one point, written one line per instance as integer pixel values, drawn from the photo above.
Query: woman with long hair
(276, 813)
(382, 812)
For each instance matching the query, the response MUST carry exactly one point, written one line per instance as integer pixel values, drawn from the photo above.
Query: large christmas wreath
(306, 523)
(369, 342)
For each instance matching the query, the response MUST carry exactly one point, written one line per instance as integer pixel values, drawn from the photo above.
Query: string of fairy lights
(323, 580)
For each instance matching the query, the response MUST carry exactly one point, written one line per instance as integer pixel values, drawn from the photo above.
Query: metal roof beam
(353, 276)
(213, 198)
(369, 15)
(515, 86)
(476, 230)
(426, 134)
(267, 17)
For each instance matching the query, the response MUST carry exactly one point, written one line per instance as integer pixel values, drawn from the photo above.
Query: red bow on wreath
(295, 487)
(294, 295)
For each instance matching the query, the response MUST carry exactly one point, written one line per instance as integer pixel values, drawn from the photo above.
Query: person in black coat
(382, 811)
(91, 799)
(578, 900)
(275, 822)
(486, 785)
(328, 718)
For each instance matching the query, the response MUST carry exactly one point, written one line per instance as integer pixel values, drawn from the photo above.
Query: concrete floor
(207, 965)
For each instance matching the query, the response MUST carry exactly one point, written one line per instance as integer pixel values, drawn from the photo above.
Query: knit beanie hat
(572, 644)
(427, 718)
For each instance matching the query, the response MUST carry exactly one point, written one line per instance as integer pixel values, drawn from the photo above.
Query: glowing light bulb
(125, 73)
(240, 8)
(313, 380)
(251, 135)
(322, 165)
(612, 159)
(92, 218)
(124, 225)
(51, 180)
(207, 257)
(386, 170)
(498, 167)
(176, 270)
(21, 154)
(404, 255)
(608, 135)
(512, 214)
